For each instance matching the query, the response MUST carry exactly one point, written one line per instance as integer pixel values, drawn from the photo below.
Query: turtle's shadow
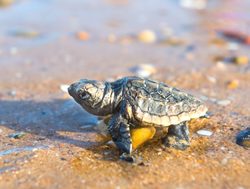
(48, 119)
(58, 120)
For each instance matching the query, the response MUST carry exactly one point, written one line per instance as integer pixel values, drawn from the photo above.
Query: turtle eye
(83, 94)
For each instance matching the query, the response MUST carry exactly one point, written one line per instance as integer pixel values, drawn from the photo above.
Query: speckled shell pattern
(152, 103)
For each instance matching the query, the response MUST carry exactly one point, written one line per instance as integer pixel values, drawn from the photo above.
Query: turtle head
(90, 94)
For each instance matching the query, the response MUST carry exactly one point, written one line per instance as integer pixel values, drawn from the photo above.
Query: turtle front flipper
(178, 136)
(120, 133)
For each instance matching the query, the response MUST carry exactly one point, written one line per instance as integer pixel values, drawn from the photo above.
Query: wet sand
(40, 51)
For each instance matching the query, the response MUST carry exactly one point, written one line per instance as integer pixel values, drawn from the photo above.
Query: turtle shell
(155, 103)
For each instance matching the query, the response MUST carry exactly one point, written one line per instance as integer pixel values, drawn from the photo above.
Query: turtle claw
(127, 157)
(133, 159)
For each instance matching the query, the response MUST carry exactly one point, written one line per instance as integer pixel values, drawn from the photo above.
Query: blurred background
(47, 141)
(53, 40)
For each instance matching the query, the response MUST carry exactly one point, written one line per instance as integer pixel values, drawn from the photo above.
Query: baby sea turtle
(136, 102)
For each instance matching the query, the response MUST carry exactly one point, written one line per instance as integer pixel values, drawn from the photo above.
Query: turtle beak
(71, 90)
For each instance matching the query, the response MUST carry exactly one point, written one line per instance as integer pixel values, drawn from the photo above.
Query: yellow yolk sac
(141, 135)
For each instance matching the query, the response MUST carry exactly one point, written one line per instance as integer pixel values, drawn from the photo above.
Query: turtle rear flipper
(178, 136)
(120, 133)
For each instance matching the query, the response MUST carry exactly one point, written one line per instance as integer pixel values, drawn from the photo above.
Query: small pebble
(243, 138)
(221, 65)
(83, 35)
(204, 132)
(64, 88)
(12, 93)
(175, 41)
(147, 36)
(241, 60)
(63, 159)
(234, 84)
(158, 150)
(240, 187)
(159, 153)
(224, 161)
(236, 35)
(194, 4)
(232, 46)
(167, 31)
(17, 135)
(143, 70)
(218, 42)
(211, 79)
(223, 102)
(223, 148)
(25, 33)
(4, 3)
(111, 38)
(204, 98)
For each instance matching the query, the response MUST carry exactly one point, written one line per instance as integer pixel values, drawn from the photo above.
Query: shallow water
(22, 149)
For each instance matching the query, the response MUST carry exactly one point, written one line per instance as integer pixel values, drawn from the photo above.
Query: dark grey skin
(135, 102)
(103, 99)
